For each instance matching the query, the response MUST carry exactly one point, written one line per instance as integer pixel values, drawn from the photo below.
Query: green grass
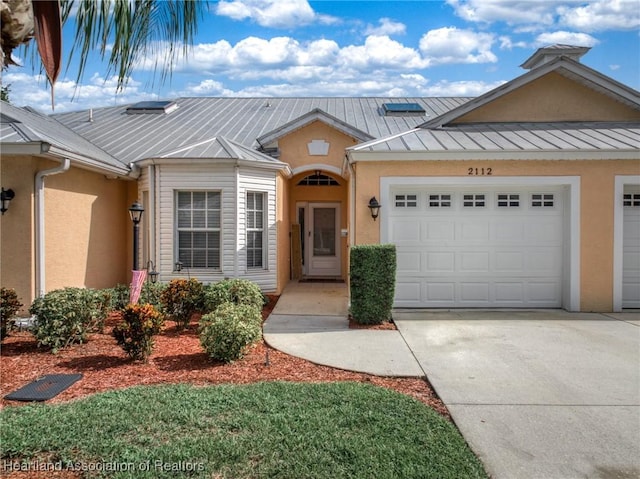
(264, 430)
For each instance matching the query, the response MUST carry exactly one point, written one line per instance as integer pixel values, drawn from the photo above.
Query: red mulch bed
(177, 358)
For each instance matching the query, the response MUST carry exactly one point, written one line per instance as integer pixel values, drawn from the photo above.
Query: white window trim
(264, 230)
(571, 279)
(176, 229)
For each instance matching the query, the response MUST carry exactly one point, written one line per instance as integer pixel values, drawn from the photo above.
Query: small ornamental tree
(181, 299)
(9, 306)
(136, 330)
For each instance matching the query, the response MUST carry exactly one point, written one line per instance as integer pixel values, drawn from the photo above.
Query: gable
(550, 98)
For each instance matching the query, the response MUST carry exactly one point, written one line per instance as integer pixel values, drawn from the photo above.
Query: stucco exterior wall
(552, 97)
(596, 207)
(294, 151)
(283, 222)
(85, 228)
(16, 227)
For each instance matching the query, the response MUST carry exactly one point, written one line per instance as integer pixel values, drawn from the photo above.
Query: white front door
(323, 240)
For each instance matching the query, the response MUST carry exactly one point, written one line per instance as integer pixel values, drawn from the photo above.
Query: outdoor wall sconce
(374, 206)
(178, 266)
(6, 196)
(135, 212)
(152, 274)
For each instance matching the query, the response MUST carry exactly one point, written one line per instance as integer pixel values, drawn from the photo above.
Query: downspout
(40, 236)
(151, 172)
(236, 263)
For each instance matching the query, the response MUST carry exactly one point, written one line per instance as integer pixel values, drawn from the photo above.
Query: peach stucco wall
(283, 221)
(86, 228)
(294, 151)
(596, 207)
(552, 98)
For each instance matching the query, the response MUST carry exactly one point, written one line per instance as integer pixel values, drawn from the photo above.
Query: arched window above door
(318, 179)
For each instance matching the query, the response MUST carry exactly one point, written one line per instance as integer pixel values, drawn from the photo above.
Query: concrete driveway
(537, 394)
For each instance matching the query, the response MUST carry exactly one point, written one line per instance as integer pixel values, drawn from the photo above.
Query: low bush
(136, 330)
(372, 282)
(65, 316)
(118, 297)
(181, 299)
(9, 306)
(226, 333)
(237, 291)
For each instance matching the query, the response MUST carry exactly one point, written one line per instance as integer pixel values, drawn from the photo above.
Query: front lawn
(276, 429)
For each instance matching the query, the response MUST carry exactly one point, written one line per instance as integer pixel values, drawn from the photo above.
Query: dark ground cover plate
(44, 388)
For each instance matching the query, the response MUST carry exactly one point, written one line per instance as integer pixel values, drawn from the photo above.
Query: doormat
(321, 280)
(44, 388)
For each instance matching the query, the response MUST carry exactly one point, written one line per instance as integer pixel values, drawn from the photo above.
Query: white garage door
(631, 248)
(489, 247)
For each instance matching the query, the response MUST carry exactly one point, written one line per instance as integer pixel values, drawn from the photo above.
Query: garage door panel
(408, 262)
(483, 256)
(474, 262)
(631, 247)
(440, 262)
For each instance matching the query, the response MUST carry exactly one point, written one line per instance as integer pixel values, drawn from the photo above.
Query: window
(508, 200)
(542, 200)
(631, 199)
(255, 229)
(406, 201)
(439, 201)
(403, 109)
(153, 107)
(198, 230)
(473, 201)
(318, 180)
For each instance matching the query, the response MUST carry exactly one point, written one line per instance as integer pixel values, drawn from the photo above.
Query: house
(525, 197)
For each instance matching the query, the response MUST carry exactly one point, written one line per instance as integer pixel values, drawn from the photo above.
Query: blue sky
(356, 48)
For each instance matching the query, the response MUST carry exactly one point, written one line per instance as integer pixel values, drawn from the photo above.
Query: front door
(323, 235)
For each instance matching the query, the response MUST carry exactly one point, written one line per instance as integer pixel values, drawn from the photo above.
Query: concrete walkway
(310, 321)
(537, 394)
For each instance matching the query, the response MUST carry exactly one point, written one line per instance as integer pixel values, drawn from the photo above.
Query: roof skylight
(403, 109)
(152, 107)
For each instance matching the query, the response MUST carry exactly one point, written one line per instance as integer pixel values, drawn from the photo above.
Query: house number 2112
(480, 171)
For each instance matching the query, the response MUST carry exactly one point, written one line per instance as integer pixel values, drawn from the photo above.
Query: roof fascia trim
(505, 155)
(25, 148)
(87, 162)
(267, 165)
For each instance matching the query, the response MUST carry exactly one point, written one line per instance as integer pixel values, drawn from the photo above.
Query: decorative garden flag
(137, 281)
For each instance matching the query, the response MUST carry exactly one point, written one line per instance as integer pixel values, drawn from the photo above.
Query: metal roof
(514, 137)
(242, 120)
(21, 126)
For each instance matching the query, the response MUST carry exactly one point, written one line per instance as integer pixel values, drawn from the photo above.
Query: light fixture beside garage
(374, 206)
(7, 196)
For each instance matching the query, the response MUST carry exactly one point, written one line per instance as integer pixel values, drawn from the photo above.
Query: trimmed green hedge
(372, 281)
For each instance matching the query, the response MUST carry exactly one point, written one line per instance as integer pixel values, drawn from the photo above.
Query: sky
(262, 48)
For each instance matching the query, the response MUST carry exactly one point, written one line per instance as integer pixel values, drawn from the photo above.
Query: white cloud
(452, 45)
(380, 51)
(528, 15)
(565, 38)
(272, 13)
(33, 90)
(601, 15)
(386, 27)
(512, 12)
(461, 88)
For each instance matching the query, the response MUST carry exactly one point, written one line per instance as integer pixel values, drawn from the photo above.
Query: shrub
(118, 297)
(9, 306)
(181, 298)
(372, 282)
(66, 316)
(151, 294)
(237, 291)
(135, 333)
(226, 333)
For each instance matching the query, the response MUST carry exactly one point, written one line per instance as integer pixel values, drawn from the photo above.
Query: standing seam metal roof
(243, 120)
